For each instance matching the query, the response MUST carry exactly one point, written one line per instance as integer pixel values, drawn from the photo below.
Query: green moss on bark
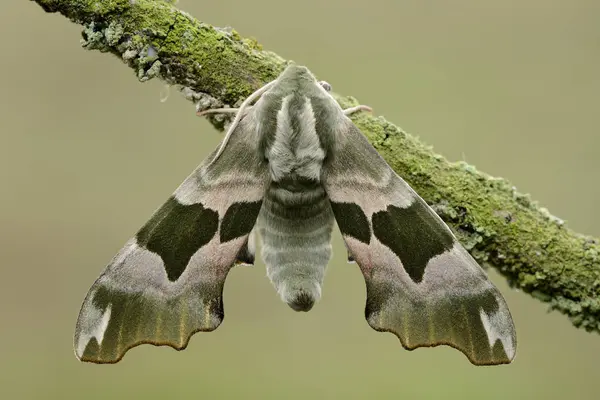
(192, 54)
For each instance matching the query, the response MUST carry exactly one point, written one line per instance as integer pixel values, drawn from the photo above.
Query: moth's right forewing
(167, 282)
(422, 285)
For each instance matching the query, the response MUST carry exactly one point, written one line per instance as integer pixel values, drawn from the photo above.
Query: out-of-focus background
(87, 154)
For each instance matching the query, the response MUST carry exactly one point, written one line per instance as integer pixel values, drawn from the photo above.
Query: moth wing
(422, 285)
(167, 282)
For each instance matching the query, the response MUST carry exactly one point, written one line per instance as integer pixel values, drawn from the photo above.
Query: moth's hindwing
(422, 285)
(167, 282)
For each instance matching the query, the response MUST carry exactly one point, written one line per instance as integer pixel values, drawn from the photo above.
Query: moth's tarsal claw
(302, 301)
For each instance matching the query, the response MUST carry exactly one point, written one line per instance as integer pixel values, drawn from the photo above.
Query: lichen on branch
(216, 67)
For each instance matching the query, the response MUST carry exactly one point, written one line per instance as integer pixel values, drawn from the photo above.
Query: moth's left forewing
(167, 282)
(422, 285)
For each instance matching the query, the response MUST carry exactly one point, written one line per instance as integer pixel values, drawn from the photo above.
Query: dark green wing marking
(413, 234)
(176, 232)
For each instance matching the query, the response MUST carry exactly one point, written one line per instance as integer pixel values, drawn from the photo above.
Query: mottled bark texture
(499, 226)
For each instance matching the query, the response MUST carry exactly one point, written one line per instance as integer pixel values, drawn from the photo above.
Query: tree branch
(499, 226)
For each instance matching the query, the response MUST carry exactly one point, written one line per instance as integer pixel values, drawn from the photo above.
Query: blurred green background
(87, 154)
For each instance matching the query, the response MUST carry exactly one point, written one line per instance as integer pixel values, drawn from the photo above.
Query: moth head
(294, 96)
(297, 81)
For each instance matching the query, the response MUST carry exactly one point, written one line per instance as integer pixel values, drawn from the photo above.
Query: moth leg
(217, 111)
(348, 111)
(352, 110)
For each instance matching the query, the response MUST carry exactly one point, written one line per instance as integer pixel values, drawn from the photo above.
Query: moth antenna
(238, 117)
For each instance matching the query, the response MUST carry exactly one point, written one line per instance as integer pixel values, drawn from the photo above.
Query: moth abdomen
(295, 228)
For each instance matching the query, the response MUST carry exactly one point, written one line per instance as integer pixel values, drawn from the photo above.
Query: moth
(291, 165)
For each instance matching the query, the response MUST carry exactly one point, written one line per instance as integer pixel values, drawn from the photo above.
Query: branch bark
(214, 67)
